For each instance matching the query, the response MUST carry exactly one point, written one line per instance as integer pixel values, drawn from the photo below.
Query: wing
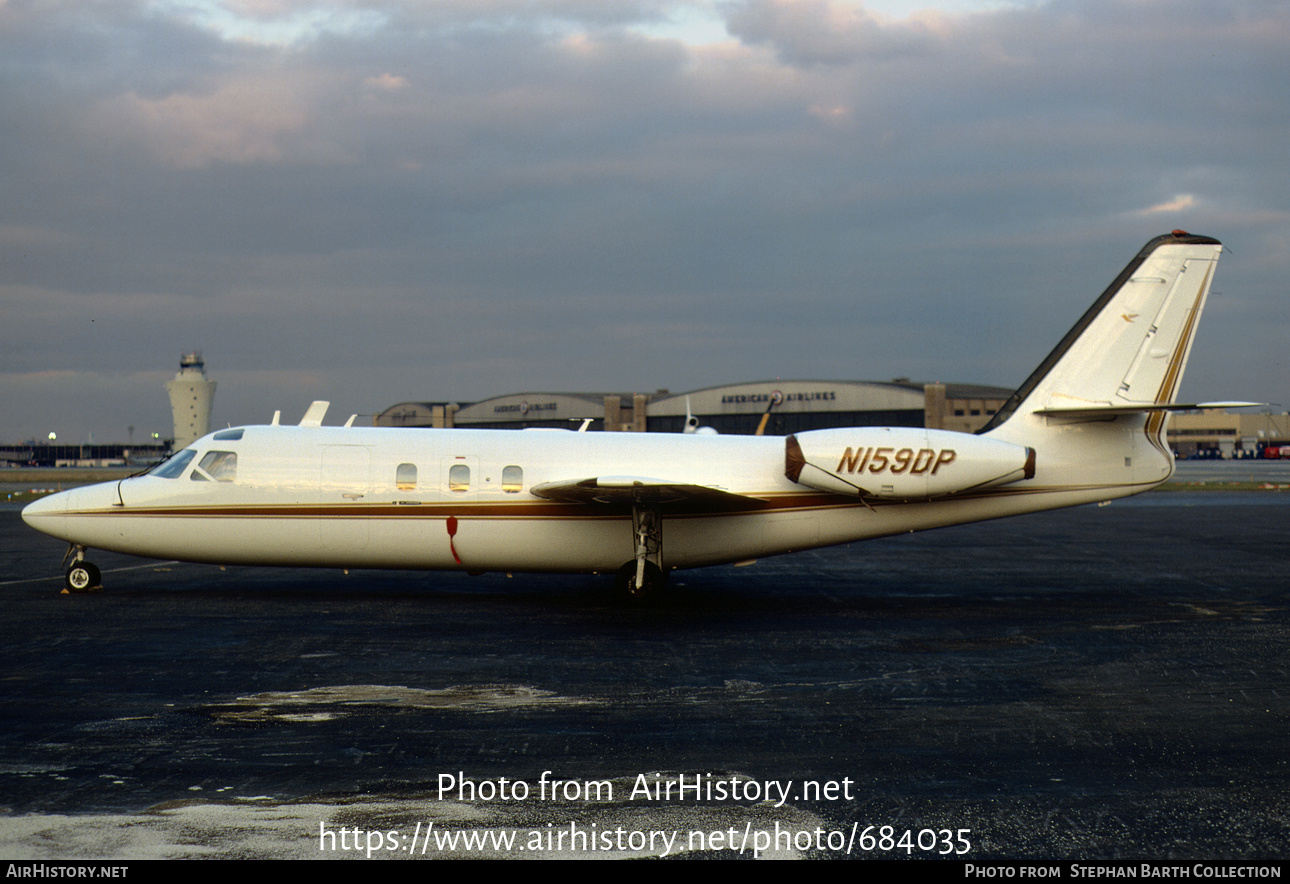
(623, 491)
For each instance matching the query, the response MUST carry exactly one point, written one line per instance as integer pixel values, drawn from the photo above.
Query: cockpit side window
(216, 466)
(173, 466)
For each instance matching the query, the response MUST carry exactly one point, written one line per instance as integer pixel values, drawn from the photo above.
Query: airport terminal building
(789, 406)
(1219, 433)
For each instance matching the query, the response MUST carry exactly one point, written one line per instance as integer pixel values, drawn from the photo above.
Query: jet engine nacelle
(902, 463)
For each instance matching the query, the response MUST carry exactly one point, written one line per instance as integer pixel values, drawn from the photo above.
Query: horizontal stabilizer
(626, 490)
(1105, 410)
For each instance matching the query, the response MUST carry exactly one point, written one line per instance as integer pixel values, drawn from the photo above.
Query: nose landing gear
(81, 576)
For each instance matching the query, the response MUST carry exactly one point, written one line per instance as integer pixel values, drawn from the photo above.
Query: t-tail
(1095, 409)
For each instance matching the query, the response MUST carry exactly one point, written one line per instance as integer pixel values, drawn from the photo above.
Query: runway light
(53, 436)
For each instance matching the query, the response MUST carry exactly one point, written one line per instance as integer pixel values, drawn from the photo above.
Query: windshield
(173, 465)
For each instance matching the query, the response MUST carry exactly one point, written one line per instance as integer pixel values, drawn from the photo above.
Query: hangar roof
(752, 397)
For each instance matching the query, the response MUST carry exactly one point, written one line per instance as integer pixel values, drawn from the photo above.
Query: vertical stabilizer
(1128, 351)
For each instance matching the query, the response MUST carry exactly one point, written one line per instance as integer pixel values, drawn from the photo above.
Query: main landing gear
(639, 587)
(82, 576)
(643, 577)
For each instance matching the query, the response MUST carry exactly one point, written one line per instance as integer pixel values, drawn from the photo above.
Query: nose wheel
(82, 577)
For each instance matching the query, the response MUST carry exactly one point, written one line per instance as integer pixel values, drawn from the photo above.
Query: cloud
(246, 120)
(26, 237)
(1181, 202)
(458, 199)
(387, 82)
(283, 23)
(830, 32)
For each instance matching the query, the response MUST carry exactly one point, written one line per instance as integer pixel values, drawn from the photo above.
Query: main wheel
(82, 577)
(627, 587)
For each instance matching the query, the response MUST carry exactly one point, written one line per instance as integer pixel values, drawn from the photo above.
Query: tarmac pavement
(1096, 683)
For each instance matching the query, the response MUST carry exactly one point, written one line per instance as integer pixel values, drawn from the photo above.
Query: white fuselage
(461, 499)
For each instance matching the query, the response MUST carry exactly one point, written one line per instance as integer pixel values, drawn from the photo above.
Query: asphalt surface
(1097, 683)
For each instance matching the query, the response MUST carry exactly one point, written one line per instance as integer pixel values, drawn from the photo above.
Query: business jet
(1087, 426)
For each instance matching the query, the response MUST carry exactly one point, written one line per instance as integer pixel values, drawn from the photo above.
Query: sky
(373, 202)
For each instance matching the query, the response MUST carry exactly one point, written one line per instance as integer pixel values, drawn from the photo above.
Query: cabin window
(174, 465)
(405, 477)
(459, 477)
(512, 479)
(216, 466)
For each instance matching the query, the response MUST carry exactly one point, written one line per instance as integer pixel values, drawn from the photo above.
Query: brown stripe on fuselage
(774, 502)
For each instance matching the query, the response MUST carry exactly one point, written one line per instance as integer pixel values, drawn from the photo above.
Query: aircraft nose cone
(49, 514)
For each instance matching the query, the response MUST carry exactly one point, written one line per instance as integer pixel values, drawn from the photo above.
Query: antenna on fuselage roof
(277, 416)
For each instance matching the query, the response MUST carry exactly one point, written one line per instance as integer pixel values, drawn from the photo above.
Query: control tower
(191, 396)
